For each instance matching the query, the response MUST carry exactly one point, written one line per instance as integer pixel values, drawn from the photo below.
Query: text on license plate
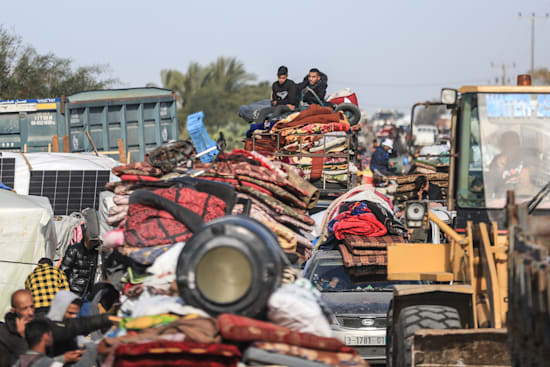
(365, 340)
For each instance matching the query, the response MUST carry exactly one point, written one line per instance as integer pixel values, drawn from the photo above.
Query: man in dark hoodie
(314, 87)
(284, 96)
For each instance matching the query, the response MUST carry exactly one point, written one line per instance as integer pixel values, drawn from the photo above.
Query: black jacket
(11, 343)
(65, 332)
(286, 93)
(320, 88)
(433, 193)
(79, 264)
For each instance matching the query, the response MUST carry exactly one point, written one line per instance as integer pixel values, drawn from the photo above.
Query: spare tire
(232, 264)
(352, 112)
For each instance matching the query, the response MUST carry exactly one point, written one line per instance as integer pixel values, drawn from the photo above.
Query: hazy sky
(392, 53)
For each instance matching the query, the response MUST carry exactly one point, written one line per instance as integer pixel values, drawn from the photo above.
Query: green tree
(24, 73)
(218, 89)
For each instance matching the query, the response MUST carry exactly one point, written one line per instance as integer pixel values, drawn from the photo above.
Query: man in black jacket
(80, 260)
(284, 96)
(12, 333)
(424, 190)
(314, 87)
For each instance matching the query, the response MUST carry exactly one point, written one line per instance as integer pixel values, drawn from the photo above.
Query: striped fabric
(364, 242)
(351, 260)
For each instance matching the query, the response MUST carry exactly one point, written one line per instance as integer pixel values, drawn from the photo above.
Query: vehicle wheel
(352, 112)
(414, 318)
(389, 335)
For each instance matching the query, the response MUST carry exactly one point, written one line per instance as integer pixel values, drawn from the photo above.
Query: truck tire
(352, 112)
(414, 318)
(389, 336)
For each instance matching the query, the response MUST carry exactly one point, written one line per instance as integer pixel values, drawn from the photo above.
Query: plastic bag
(297, 307)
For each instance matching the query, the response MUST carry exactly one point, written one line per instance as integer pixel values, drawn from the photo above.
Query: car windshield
(508, 149)
(330, 275)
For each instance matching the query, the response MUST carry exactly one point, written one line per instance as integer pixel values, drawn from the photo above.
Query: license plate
(365, 340)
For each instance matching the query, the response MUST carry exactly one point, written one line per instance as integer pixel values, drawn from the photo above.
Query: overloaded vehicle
(359, 299)
(499, 143)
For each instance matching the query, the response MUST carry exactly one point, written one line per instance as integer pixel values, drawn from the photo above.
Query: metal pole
(533, 17)
(533, 44)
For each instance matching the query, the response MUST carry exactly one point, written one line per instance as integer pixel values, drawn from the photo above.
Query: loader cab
(502, 142)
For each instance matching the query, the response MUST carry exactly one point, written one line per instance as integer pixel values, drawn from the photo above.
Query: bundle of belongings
(278, 196)
(316, 140)
(361, 226)
(156, 211)
(189, 337)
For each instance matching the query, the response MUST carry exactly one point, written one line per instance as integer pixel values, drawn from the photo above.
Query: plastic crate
(199, 136)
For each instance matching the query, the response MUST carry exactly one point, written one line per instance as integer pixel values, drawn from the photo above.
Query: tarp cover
(26, 235)
(56, 162)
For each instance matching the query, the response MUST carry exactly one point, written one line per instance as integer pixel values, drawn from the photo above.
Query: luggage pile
(160, 217)
(318, 140)
(360, 224)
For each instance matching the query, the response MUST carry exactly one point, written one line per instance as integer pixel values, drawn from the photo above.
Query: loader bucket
(461, 347)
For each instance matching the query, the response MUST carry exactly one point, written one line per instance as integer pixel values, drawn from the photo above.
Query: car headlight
(415, 214)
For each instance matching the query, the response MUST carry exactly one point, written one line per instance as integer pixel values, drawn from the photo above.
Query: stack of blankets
(196, 339)
(279, 196)
(363, 227)
(315, 140)
(404, 191)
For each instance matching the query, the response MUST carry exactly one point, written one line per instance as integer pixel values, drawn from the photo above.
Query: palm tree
(218, 89)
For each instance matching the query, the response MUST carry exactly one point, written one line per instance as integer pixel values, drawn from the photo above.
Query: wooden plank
(410, 187)
(55, 143)
(121, 152)
(438, 176)
(66, 144)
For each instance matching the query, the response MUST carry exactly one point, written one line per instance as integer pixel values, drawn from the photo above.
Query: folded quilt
(243, 329)
(364, 242)
(351, 260)
(329, 358)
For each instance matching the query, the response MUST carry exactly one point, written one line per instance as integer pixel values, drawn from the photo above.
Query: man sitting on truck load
(284, 96)
(314, 87)
(380, 161)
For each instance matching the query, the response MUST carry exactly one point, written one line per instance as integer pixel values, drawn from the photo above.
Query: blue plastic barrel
(199, 136)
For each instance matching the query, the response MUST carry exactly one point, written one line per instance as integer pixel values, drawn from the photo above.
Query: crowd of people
(46, 325)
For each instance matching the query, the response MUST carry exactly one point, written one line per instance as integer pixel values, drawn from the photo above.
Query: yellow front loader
(458, 316)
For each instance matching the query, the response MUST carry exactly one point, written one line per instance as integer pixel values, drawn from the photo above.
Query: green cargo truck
(144, 118)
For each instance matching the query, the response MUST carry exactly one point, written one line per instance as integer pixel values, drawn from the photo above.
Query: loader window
(470, 178)
(515, 136)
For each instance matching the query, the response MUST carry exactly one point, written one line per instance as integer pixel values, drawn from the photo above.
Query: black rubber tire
(414, 318)
(351, 111)
(389, 336)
